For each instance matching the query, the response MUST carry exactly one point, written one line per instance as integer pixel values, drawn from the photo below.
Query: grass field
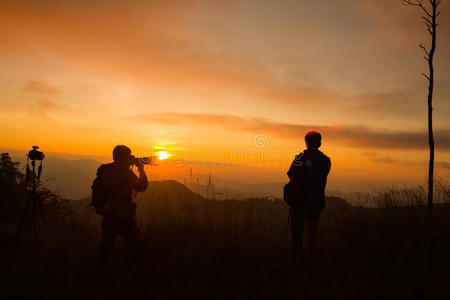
(200, 248)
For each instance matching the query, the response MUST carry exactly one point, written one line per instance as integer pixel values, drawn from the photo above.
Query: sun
(163, 155)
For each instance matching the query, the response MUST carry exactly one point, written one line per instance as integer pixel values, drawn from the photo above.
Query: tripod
(33, 201)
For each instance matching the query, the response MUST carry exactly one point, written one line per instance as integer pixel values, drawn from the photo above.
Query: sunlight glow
(163, 155)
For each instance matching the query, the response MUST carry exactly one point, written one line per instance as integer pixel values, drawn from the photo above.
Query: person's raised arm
(142, 182)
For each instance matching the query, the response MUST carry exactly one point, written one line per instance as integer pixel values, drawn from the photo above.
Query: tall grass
(402, 196)
(195, 247)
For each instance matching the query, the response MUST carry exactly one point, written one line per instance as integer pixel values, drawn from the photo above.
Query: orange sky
(206, 79)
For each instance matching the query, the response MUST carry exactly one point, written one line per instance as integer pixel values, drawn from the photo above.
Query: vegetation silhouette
(196, 247)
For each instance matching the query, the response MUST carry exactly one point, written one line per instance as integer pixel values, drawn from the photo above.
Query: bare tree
(430, 14)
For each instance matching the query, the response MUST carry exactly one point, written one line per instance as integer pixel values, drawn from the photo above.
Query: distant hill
(72, 178)
(222, 189)
(169, 192)
(170, 197)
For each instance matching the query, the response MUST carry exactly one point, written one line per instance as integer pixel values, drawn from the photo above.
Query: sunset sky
(214, 81)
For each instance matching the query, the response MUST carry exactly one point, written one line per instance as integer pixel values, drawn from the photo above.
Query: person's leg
(312, 233)
(107, 242)
(133, 236)
(297, 229)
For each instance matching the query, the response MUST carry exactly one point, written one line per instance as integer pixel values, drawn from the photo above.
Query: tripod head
(34, 154)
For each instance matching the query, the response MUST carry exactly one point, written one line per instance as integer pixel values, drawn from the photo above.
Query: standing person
(305, 193)
(112, 198)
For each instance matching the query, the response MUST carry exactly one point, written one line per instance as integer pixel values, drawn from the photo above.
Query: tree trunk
(430, 110)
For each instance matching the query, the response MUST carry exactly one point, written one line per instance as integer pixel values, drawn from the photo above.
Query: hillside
(237, 248)
(168, 191)
(201, 248)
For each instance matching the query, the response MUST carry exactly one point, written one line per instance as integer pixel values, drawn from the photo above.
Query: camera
(35, 154)
(149, 160)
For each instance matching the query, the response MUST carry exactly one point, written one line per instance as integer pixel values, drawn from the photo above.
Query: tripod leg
(22, 222)
(33, 203)
(41, 208)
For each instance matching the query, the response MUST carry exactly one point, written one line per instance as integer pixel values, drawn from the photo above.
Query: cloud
(144, 41)
(46, 109)
(153, 43)
(393, 24)
(41, 87)
(355, 136)
(385, 158)
(394, 103)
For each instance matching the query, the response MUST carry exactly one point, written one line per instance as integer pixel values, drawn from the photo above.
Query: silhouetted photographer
(305, 194)
(112, 192)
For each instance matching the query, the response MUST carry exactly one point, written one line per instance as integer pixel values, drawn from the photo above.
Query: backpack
(99, 193)
(290, 193)
(295, 190)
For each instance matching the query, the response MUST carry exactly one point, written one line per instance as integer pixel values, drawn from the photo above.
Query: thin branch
(417, 3)
(427, 22)
(424, 49)
(426, 19)
(423, 8)
(426, 76)
(408, 2)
